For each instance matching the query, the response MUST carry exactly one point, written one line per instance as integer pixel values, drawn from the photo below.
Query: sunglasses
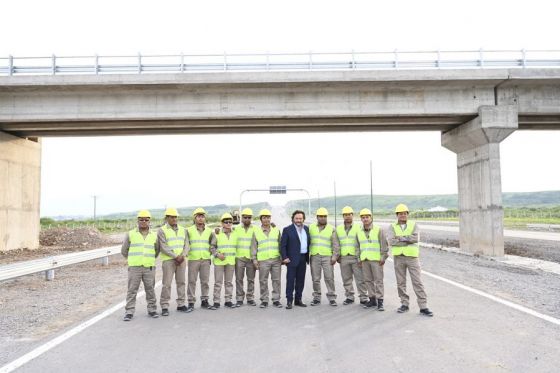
(227, 222)
(145, 219)
(246, 217)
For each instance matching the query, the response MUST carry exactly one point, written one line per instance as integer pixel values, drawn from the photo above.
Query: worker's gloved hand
(217, 230)
(382, 262)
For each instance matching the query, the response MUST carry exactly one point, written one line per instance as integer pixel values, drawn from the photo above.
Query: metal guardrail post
(139, 63)
(182, 62)
(225, 61)
(353, 60)
(310, 60)
(267, 61)
(10, 65)
(438, 61)
(480, 58)
(53, 64)
(105, 261)
(524, 57)
(96, 68)
(396, 59)
(49, 275)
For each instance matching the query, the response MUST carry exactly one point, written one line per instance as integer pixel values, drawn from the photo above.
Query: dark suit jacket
(290, 245)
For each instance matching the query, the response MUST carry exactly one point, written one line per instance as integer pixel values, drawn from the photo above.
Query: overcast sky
(125, 171)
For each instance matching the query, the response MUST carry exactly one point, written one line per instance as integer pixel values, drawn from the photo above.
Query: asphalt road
(530, 235)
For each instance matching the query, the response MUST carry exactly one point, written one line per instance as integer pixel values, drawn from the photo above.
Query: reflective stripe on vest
(175, 240)
(199, 243)
(321, 243)
(347, 241)
(267, 246)
(142, 251)
(370, 248)
(244, 239)
(412, 250)
(228, 247)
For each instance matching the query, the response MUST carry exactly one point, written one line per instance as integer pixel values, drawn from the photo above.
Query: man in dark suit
(294, 248)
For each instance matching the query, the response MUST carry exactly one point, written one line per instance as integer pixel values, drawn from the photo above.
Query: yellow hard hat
(321, 211)
(199, 211)
(347, 210)
(365, 212)
(225, 216)
(401, 208)
(144, 214)
(247, 211)
(264, 212)
(171, 211)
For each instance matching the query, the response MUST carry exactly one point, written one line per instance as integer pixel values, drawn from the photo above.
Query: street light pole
(94, 208)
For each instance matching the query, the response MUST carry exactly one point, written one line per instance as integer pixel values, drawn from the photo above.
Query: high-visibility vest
(267, 246)
(321, 243)
(199, 243)
(228, 247)
(370, 248)
(412, 249)
(175, 240)
(244, 238)
(142, 251)
(347, 240)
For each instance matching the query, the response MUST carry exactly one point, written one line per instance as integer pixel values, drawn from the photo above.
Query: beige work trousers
(170, 269)
(221, 273)
(351, 271)
(322, 263)
(242, 266)
(272, 267)
(402, 263)
(373, 277)
(198, 269)
(136, 275)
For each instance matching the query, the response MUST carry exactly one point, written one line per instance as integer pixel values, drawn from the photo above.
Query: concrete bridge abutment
(477, 145)
(20, 192)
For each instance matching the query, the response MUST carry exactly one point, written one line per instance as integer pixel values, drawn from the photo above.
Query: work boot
(299, 303)
(263, 305)
(128, 317)
(164, 312)
(289, 306)
(363, 302)
(426, 312)
(380, 305)
(402, 309)
(316, 302)
(239, 303)
(372, 303)
(215, 306)
(348, 301)
(153, 314)
(183, 309)
(277, 304)
(251, 303)
(332, 302)
(229, 305)
(204, 304)
(190, 307)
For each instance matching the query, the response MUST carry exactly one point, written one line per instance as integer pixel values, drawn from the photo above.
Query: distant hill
(425, 202)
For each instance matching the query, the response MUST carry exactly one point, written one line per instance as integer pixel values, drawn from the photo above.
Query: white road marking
(10, 367)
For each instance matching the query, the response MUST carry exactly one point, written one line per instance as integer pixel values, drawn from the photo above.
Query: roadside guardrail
(49, 264)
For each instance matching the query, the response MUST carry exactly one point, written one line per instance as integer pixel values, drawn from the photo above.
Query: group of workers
(361, 251)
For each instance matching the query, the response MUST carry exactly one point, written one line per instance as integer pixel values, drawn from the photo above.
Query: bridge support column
(477, 144)
(20, 192)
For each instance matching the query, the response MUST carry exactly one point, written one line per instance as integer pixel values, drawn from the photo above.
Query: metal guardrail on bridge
(354, 60)
(49, 264)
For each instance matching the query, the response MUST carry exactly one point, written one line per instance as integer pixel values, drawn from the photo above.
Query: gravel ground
(33, 310)
(538, 249)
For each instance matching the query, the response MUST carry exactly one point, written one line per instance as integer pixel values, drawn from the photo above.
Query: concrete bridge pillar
(477, 144)
(20, 192)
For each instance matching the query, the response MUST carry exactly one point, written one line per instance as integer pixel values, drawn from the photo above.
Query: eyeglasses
(246, 217)
(227, 222)
(144, 219)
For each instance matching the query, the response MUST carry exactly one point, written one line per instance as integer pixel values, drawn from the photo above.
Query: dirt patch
(58, 241)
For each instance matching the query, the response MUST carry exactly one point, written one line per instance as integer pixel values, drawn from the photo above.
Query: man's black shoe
(402, 309)
(239, 303)
(362, 302)
(204, 304)
(380, 305)
(426, 312)
(316, 302)
(127, 317)
(183, 309)
(264, 305)
(165, 312)
(299, 303)
(348, 301)
(277, 304)
(228, 305)
(289, 306)
(215, 306)
(332, 302)
(372, 303)
(251, 303)
(190, 307)
(153, 314)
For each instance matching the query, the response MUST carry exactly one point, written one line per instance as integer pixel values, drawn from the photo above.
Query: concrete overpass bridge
(475, 109)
